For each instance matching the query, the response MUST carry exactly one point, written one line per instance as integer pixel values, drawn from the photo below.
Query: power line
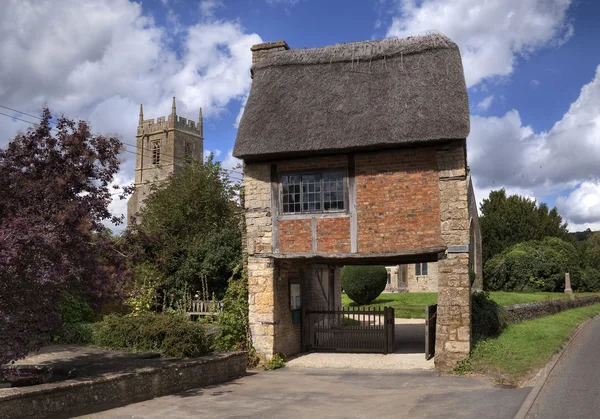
(122, 142)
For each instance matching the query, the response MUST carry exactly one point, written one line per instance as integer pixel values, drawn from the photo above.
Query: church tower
(163, 147)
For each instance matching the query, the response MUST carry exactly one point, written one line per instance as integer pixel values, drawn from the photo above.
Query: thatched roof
(361, 95)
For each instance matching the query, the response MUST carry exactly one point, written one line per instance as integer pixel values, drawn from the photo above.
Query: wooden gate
(350, 329)
(430, 322)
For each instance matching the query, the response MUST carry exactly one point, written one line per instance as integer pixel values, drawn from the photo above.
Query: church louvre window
(156, 152)
(187, 152)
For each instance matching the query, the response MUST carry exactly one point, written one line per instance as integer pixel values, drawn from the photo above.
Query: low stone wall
(521, 312)
(80, 397)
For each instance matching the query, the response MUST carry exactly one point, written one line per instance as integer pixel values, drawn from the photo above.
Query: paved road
(318, 393)
(573, 388)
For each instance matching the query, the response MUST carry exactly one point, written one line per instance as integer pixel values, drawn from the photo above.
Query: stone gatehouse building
(163, 147)
(414, 277)
(356, 154)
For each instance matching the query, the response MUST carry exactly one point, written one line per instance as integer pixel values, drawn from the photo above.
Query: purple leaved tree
(54, 196)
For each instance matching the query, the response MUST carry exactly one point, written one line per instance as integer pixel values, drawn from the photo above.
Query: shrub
(233, 321)
(172, 335)
(78, 333)
(276, 362)
(363, 284)
(489, 318)
(75, 310)
(590, 280)
(538, 265)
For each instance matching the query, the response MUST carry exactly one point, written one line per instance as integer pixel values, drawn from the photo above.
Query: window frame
(156, 156)
(421, 265)
(320, 172)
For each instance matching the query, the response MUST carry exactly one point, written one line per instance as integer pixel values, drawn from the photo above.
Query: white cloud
(505, 153)
(491, 34)
(99, 59)
(208, 7)
(485, 104)
(582, 205)
(534, 83)
(241, 112)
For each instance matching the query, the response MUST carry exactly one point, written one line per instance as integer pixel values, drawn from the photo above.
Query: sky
(532, 69)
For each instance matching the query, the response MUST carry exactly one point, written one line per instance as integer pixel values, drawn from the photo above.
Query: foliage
(172, 335)
(489, 318)
(75, 310)
(188, 231)
(363, 284)
(529, 345)
(537, 265)
(506, 221)
(52, 237)
(77, 333)
(591, 250)
(233, 321)
(580, 236)
(590, 280)
(463, 367)
(277, 361)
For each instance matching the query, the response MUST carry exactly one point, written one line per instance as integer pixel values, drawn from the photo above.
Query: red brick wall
(333, 235)
(295, 236)
(397, 200)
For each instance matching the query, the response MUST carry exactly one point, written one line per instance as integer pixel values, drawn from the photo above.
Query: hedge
(363, 284)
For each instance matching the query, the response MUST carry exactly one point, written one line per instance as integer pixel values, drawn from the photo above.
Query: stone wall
(453, 333)
(422, 283)
(476, 242)
(81, 397)
(521, 312)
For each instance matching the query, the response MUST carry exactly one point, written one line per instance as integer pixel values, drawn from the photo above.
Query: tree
(506, 221)
(188, 234)
(536, 265)
(55, 190)
(591, 250)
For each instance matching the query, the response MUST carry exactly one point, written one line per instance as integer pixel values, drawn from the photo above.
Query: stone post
(568, 289)
(453, 331)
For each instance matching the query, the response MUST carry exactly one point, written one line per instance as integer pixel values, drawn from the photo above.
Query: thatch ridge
(358, 51)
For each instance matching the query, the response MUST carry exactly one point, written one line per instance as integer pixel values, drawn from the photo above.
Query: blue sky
(531, 67)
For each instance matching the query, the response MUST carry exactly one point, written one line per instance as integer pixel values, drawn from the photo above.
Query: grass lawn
(526, 347)
(412, 305)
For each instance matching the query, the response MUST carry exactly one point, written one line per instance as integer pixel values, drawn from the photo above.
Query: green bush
(172, 335)
(78, 333)
(590, 280)
(363, 284)
(233, 321)
(75, 310)
(538, 265)
(278, 361)
(489, 318)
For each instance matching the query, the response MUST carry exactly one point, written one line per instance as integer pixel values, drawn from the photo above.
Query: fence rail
(205, 307)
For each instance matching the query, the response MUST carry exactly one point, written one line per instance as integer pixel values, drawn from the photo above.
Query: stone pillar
(568, 289)
(453, 332)
(261, 302)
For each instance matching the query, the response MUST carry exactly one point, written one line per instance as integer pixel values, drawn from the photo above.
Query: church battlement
(173, 121)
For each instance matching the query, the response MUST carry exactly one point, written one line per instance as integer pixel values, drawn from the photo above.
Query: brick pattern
(333, 235)
(397, 200)
(295, 236)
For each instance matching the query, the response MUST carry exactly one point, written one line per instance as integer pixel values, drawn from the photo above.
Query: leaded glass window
(314, 192)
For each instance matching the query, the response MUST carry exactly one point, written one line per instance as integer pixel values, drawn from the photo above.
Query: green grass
(412, 305)
(526, 347)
